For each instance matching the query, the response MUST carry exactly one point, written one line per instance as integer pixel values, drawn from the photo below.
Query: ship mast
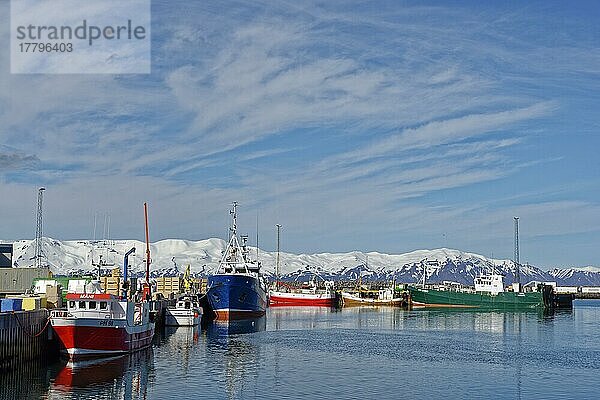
(277, 263)
(233, 212)
(516, 258)
(147, 284)
(257, 237)
(234, 254)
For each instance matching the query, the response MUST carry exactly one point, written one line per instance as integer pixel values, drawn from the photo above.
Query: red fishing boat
(101, 324)
(312, 296)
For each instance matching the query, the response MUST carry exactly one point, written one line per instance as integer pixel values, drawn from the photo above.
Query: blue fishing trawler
(237, 290)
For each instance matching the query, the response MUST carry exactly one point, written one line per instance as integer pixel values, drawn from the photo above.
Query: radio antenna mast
(38, 228)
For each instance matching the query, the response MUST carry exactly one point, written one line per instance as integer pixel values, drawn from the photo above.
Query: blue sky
(377, 126)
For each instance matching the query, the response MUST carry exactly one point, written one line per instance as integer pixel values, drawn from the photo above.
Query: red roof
(90, 296)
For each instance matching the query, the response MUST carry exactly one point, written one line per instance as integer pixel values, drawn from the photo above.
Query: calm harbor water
(353, 353)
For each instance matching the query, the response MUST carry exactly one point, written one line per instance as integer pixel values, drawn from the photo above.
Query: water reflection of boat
(119, 377)
(84, 373)
(234, 327)
(181, 343)
(300, 317)
(181, 339)
(235, 353)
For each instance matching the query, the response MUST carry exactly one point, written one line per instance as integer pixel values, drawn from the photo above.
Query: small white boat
(383, 297)
(186, 312)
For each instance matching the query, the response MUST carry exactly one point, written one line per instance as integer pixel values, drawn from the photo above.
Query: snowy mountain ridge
(171, 256)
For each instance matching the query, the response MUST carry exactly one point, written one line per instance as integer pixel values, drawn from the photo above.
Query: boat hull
(448, 298)
(182, 317)
(236, 296)
(82, 338)
(301, 299)
(351, 300)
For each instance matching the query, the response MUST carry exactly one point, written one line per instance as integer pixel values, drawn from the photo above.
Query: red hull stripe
(286, 301)
(90, 341)
(224, 315)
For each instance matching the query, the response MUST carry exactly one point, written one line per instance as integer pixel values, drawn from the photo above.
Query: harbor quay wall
(24, 336)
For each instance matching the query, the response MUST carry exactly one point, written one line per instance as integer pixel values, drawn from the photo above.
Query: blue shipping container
(11, 305)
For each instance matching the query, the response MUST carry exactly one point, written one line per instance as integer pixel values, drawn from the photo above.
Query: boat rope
(219, 284)
(203, 296)
(29, 333)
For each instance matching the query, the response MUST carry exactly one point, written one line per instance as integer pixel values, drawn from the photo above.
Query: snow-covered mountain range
(170, 257)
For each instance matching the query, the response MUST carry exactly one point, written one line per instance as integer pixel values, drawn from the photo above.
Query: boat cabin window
(82, 305)
(187, 305)
(103, 305)
(92, 305)
(71, 304)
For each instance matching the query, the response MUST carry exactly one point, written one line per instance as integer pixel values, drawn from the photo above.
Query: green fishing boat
(488, 293)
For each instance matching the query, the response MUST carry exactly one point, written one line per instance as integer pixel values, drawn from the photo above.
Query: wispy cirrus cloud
(12, 161)
(439, 133)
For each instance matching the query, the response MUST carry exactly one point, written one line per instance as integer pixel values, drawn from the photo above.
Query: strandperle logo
(80, 36)
(84, 31)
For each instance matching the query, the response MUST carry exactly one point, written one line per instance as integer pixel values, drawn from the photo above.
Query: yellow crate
(168, 285)
(32, 303)
(110, 284)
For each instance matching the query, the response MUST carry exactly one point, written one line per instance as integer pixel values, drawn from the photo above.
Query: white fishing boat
(381, 297)
(186, 312)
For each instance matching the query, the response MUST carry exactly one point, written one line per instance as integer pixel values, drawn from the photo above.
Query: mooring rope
(29, 333)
